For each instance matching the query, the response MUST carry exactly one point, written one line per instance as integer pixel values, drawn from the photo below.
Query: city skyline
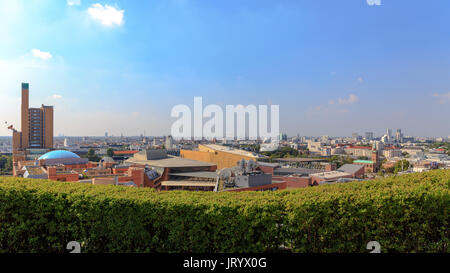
(121, 66)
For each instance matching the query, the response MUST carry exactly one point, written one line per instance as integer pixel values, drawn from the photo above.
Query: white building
(169, 142)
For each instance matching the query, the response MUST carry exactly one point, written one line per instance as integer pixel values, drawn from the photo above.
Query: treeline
(409, 213)
(284, 152)
(6, 164)
(442, 145)
(400, 166)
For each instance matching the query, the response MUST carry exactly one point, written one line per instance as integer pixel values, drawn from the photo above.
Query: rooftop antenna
(10, 127)
(242, 165)
(224, 179)
(225, 175)
(250, 166)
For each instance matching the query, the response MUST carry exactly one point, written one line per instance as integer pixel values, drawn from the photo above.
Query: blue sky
(334, 67)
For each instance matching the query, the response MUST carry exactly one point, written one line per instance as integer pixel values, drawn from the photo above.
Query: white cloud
(374, 2)
(442, 98)
(350, 100)
(106, 15)
(73, 2)
(57, 96)
(41, 54)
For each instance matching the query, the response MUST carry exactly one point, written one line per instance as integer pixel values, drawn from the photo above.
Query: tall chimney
(25, 122)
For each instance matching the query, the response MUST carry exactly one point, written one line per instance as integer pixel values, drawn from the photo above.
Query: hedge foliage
(408, 213)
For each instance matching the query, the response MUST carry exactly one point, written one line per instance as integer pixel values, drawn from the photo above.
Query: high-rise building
(399, 136)
(369, 135)
(169, 142)
(36, 125)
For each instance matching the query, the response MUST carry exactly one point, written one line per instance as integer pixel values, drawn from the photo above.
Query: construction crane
(10, 127)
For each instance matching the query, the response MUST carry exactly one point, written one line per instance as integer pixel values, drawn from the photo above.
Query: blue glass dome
(58, 154)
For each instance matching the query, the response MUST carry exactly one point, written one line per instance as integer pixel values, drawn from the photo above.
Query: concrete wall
(293, 182)
(54, 175)
(103, 181)
(277, 186)
(17, 141)
(137, 175)
(245, 181)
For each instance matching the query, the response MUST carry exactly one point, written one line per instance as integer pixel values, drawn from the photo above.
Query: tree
(388, 170)
(401, 166)
(6, 165)
(348, 160)
(110, 152)
(92, 156)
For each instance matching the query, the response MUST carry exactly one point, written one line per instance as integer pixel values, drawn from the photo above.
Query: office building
(388, 134)
(36, 125)
(369, 135)
(399, 136)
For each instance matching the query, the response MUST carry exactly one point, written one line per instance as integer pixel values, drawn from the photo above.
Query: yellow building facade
(222, 156)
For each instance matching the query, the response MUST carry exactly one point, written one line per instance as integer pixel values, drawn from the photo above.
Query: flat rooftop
(35, 170)
(330, 175)
(301, 171)
(299, 159)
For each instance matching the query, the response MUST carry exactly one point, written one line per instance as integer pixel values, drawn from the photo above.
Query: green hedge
(408, 213)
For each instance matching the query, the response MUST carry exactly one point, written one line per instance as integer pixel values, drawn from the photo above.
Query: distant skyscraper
(388, 134)
(106, 134)
(399, 136)
(369, 135)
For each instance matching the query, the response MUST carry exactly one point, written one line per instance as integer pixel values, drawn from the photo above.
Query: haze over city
(181, 130)
(120, 66)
